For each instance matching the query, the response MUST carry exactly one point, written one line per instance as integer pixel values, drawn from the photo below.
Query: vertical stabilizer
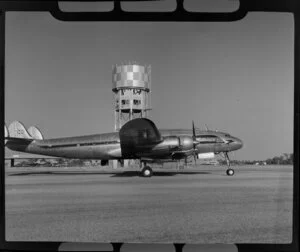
(35, 133)
(5, 133)
(17, 130)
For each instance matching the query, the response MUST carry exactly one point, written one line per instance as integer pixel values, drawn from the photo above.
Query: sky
(235, 77)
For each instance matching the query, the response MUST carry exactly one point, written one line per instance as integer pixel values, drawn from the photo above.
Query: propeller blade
(195, 143)
(194, 132)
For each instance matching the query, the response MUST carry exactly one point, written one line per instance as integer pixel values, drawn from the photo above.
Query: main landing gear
(229, 171)
(147, 171)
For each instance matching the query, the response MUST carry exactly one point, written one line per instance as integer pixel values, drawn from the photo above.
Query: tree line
(284, 159)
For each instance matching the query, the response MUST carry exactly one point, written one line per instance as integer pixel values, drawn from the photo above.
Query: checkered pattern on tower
(131, 76)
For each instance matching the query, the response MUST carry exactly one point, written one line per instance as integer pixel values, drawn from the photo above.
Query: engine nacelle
(171, 141)
(182, 142)
(186, 142)
(208, 155)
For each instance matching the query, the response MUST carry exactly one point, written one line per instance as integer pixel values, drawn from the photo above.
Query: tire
(147, 172)
(230, 172)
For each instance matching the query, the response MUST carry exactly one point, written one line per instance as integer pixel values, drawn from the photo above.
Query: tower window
(136, 102)
(124, 102)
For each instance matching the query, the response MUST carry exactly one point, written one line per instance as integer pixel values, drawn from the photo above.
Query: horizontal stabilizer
(17, 130)
(17, 141)
(35, 133)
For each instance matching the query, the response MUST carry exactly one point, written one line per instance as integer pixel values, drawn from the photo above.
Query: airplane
(137, 139)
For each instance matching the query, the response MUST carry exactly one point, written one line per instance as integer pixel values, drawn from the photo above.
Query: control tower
(131, 88)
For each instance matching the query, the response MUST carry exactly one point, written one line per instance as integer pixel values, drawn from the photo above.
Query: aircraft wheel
(230, 172)
(147, 171)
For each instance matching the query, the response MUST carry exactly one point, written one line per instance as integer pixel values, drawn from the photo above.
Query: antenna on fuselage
(207, 129)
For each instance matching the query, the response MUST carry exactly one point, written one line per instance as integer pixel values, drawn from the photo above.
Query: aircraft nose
(239, 143)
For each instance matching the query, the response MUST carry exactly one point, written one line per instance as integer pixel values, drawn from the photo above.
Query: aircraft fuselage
(107, 146)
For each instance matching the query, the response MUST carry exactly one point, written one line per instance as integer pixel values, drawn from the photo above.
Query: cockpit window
(227, 135)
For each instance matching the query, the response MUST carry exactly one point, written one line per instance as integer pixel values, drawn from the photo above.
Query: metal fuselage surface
(107, 146)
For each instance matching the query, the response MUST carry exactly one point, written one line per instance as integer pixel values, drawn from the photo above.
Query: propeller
(195, 142)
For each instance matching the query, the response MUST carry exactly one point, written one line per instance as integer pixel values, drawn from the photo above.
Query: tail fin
(17, 130)
(5, 134)
(35, 133)
(5, 131)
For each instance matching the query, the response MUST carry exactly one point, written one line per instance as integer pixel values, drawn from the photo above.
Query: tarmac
(195, 205)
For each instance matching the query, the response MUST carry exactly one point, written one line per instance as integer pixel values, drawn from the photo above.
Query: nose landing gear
(229, 171)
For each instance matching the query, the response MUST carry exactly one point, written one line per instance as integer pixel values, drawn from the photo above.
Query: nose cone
(238, 143)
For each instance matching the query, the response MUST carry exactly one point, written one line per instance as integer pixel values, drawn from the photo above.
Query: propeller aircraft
(137, 139)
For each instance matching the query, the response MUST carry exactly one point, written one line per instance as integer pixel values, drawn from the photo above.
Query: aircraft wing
(138, 135)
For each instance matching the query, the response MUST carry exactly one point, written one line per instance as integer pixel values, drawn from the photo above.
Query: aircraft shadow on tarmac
(113, 174)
